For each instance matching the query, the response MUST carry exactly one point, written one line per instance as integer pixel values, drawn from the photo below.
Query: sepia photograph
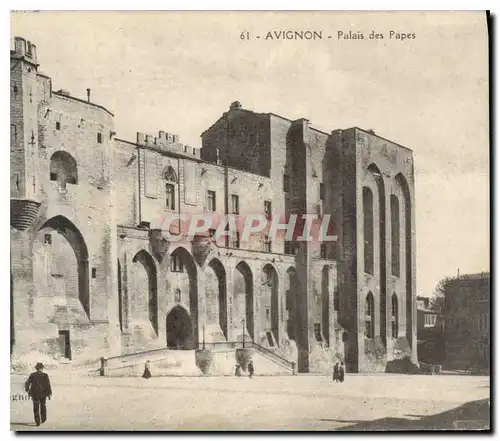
(250, 221)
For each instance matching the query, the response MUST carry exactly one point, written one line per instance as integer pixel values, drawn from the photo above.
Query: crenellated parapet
(168, 142)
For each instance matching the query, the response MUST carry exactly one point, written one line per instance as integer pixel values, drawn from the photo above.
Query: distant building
(467, 321)
(429, 332)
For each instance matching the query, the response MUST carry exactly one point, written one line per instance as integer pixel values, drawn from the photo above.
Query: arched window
(368, 229)
(63, 169)
(369, 316)
(170, 178)
(395, 235)
(395, 316)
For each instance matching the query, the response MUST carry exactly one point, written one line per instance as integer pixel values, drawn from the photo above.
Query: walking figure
(336, 372)
(237, 372)
(38, 388)
(250, 369)
(147, 372)
(341, 372)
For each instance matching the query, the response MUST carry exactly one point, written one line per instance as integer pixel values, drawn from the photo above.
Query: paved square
(305, 402)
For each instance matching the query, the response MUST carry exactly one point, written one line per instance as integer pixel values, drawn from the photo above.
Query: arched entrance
(215, 292)
(291, 303)
(179, 329)
(243, 299)
(145, 295)
(271, 301)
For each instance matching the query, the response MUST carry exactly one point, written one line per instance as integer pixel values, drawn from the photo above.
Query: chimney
(88, 95)
(235, 105)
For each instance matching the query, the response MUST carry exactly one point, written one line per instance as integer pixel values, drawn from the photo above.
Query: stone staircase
(171, 362)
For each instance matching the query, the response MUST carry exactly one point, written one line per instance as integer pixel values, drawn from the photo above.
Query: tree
(438, 297)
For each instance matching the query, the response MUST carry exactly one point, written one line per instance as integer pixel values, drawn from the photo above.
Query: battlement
(24, 49)
(168, 142)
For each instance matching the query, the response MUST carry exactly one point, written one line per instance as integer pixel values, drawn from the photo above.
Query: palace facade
(92, 273)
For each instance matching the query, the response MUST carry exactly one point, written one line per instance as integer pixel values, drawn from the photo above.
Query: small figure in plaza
(147, 372)
(341, 372)
(336, 372)
(250, 369)
(39, 389)
(237, 372)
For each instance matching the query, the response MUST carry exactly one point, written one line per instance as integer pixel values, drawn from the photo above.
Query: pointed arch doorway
(179, 329)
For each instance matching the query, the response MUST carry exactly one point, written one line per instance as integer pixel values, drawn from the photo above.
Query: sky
(179, 71)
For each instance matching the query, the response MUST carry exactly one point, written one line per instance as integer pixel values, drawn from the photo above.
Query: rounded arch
(63, 168)
(216, 290)
(183, 279)
(395, 236)
(147, 262)
(120, 294)
(325, 303)
(291, 303)
(181, 259)
(61, 261)
(368, 230)
(394, 316)
(12, 315)
(179, 328)
(271, 306)
(406, 226)
(243, 297)
(376, 177)
(169, 174)
(369, 316)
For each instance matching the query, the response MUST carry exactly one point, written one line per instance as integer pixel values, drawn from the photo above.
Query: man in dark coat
(38, 387)
(336, 372)
(251, 369)
(341, 372)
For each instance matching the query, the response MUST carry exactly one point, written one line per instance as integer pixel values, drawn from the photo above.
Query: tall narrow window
(368, 229)
(369, 316)
(176, 264)
(267, 244)
(235, 204)
(290, 247)
(323, 251)
(235, 241)
(322, 191)
(211, 202)
(336, 300)
(170, 196)
(317, 332)
(395, 234)
(286, 183)
(268, 208)
(395, 317)
(99, 138)
(170, 178)
(63, 169)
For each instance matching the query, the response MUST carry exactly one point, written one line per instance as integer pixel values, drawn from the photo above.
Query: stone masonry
(93, 274)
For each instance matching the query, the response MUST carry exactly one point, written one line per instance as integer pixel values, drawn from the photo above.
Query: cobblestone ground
(308, 402)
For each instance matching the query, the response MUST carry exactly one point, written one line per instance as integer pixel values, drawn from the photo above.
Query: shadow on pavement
(474, 415)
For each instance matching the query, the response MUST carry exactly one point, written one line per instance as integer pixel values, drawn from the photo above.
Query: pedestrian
(336, 372)
(38, 388)
(237, 372)
(147, 372)
(250, 369)
(341, 372)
